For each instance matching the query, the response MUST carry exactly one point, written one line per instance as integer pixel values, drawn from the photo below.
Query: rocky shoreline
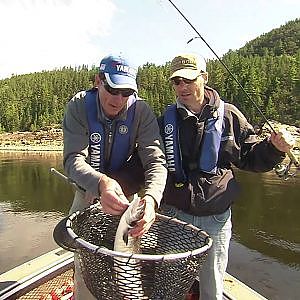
(43, 140)
(292, 131)
(52, 139)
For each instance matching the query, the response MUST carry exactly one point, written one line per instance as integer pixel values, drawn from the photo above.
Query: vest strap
(121, 142)
(210, 143)
(96, 132)
(121, 145)
(171, 141)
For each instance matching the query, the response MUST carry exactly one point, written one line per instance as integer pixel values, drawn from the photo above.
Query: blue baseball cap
(119, 73)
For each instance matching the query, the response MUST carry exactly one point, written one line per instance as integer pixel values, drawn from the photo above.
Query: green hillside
(272, 78)
(282, 40)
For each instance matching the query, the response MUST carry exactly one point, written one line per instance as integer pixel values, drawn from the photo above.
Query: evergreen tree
(268, 68)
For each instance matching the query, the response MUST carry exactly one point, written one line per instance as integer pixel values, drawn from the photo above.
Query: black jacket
(207, 194)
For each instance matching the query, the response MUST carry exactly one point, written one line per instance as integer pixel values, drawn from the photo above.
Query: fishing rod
(68, 180)
(293, 159)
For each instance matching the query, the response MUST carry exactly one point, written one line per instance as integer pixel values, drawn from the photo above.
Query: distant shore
(51, 139)
(44, 140)
(29, 148)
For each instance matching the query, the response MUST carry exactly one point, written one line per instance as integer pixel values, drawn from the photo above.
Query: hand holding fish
(90, 198)
(112, 198)
(282, 141)
(144, 224)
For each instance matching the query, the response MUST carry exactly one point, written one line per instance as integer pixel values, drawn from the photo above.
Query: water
(31, 203)
(264, 252)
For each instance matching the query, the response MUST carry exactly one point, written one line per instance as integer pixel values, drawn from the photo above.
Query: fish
(127, 271)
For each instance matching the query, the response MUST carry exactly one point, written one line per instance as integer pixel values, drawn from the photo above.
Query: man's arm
(150, 150)
(151, 153)
(75, 133)
(255, 155)
(75, 130)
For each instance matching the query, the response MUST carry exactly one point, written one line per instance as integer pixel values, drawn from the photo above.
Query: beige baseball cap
(187, 66)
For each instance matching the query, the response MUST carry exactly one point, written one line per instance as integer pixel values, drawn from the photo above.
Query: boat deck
(40, 276)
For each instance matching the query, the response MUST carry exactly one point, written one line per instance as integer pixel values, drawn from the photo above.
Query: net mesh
(110, 276)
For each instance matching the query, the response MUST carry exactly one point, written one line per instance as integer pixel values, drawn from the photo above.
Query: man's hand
(143, 225)
(112, 198)
(282, 141)
(90, 198)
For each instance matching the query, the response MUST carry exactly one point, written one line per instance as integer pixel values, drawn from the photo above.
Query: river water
(265, 248)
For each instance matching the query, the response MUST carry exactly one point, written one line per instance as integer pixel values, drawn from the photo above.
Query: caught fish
(128, 270)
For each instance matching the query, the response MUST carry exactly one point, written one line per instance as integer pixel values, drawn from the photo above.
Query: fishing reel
(283, 170)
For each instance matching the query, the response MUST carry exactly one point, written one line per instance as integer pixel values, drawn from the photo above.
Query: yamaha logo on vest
(95, 137)
(169, 147)
(123, 129)
(168, 129)
(95, 150)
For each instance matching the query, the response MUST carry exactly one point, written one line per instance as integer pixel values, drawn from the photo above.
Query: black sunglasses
(112, 91)
(177, 80)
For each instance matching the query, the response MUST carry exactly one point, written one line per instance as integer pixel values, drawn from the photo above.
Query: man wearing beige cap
(204, 137)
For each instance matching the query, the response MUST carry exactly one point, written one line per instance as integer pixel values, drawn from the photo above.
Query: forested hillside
(282, 40)
(267, 67)
(34, 101)
(273, 82)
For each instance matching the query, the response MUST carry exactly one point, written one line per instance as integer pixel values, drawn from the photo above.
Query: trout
(127, 270)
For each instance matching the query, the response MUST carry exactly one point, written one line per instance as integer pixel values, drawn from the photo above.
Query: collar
(212, 96)
(212, 103)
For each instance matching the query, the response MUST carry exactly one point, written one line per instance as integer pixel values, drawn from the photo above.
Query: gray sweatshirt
(145, 137)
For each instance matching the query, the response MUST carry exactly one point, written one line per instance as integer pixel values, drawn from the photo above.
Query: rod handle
(293, 158)
(70, 181)
(55, 172)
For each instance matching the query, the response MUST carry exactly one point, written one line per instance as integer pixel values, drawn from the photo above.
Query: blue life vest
(121, 140)
(211, 140)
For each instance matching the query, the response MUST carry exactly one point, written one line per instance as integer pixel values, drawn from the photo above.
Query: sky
(41, 35)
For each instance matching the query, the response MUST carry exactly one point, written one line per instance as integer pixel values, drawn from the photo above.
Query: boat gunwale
(23, 285)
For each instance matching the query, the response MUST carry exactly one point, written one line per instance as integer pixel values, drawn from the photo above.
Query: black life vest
(211, 140)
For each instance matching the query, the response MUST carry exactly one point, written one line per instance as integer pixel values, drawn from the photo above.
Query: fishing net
(170, 256)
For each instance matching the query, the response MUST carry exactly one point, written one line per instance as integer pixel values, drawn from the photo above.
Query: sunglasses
(123, 92)
(177, 80)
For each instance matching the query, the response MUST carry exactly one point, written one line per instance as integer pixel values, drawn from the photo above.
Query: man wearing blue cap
(110, 133)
